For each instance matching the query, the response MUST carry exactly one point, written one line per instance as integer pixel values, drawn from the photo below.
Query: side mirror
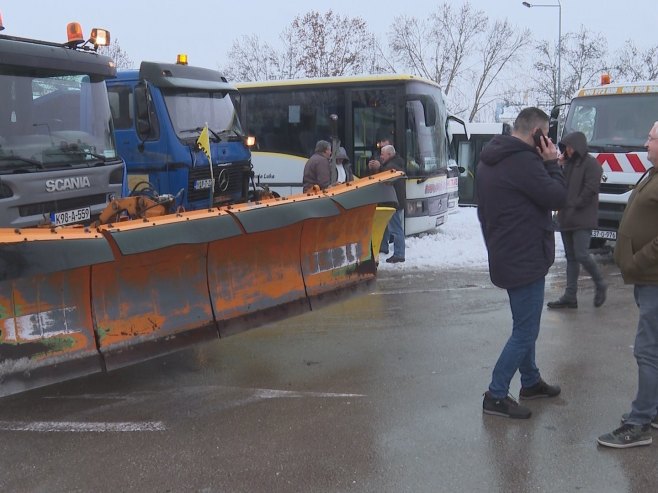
(143, 121)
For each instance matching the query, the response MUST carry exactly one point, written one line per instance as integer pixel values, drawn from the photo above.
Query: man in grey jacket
(579, 217)
(319, 170)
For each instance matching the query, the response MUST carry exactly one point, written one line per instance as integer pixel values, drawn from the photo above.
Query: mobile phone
(538, 136)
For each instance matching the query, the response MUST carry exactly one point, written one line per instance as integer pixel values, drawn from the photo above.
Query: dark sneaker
(394, 259)
(627, 436)
(507, 407)
(654, 421)
(540, 389)
(600, 295)
(562, 303)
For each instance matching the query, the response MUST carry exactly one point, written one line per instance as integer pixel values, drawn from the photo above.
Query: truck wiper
(227, 134)
(613, 147)
(67, 149)
(21, 162)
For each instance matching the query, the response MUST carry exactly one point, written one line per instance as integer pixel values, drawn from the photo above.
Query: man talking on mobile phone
(519, 183)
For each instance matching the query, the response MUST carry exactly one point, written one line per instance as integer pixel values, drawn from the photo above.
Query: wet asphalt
(381, 393)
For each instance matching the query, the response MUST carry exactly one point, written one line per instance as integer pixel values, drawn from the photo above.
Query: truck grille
(235, 190)
(62, 205)
(615, 188)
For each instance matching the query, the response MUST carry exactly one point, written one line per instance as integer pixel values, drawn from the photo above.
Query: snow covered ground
(456, 244)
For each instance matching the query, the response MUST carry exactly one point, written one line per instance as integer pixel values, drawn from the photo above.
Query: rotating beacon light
(75, 38)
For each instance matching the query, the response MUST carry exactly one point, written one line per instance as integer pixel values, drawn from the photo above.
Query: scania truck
(160, 112)
(616, 119)
(58, 161)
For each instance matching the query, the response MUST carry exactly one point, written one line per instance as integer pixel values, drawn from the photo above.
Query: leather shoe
(600, 295)
(562, 303)
(394, 260)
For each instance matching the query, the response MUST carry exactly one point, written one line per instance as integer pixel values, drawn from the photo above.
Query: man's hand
(374, 165)
(547, 150)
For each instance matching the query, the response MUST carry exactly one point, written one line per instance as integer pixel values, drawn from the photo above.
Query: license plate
(204, 184)
(440, 220)
(72, 216)
(608, 235)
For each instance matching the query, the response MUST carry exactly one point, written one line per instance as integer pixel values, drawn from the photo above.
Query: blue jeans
(646, 354)
(526, 303)
(395, 227)
(576, 245)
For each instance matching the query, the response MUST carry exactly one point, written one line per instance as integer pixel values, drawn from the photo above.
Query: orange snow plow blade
(78, 301)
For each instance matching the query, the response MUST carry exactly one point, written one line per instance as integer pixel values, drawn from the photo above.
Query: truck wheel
(596, 243)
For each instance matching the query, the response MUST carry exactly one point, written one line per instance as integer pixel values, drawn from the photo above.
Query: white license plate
(440, 220)
(608, 235)
(72, 216)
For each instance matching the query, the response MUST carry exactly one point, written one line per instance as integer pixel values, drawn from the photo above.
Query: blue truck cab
(159, 113)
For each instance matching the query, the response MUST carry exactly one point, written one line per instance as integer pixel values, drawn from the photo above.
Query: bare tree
(114, 51)
(437, 48)
(500, 47)
(330, 44)
(252, 59)
(583, 57)
(632, 64)
(314, 45)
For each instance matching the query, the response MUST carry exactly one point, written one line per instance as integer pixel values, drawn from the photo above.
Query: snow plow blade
(79, 301)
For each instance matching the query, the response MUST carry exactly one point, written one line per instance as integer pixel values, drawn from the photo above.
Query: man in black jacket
(579, 217)
(519, 183)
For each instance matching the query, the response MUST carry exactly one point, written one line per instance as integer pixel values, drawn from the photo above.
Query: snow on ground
(456, 244)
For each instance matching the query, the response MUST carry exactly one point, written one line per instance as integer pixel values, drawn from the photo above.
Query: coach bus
(288, 117)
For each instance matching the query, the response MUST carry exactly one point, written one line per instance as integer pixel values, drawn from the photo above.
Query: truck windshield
(621, 121)
(192, 109)
(51, 121)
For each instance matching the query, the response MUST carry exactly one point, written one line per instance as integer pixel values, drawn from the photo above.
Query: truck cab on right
(616, 119)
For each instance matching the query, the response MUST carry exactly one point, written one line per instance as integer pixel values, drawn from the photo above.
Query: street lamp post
(559, 42)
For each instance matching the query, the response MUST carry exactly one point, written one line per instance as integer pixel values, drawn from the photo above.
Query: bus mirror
(555, 112)
(553, 123)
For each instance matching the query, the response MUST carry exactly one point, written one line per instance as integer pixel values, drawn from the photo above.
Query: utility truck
(616, 119)
(58, 161)
(160, 113)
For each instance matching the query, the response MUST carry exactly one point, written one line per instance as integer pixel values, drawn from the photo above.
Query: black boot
(562, 303)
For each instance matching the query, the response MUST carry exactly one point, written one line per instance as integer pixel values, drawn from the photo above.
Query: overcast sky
(157, 31)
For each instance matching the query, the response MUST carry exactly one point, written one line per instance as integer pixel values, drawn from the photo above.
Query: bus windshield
(188, 108)
(53, 120)
(609, 122)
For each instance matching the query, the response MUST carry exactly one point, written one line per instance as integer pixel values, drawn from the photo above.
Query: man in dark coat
(519, 184)
(318, 170)
(579, 217)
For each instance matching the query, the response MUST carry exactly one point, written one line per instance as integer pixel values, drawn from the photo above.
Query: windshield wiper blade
(67, 149)
(191, 130)
(608, 147)
(24, 161)
(227, 134)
